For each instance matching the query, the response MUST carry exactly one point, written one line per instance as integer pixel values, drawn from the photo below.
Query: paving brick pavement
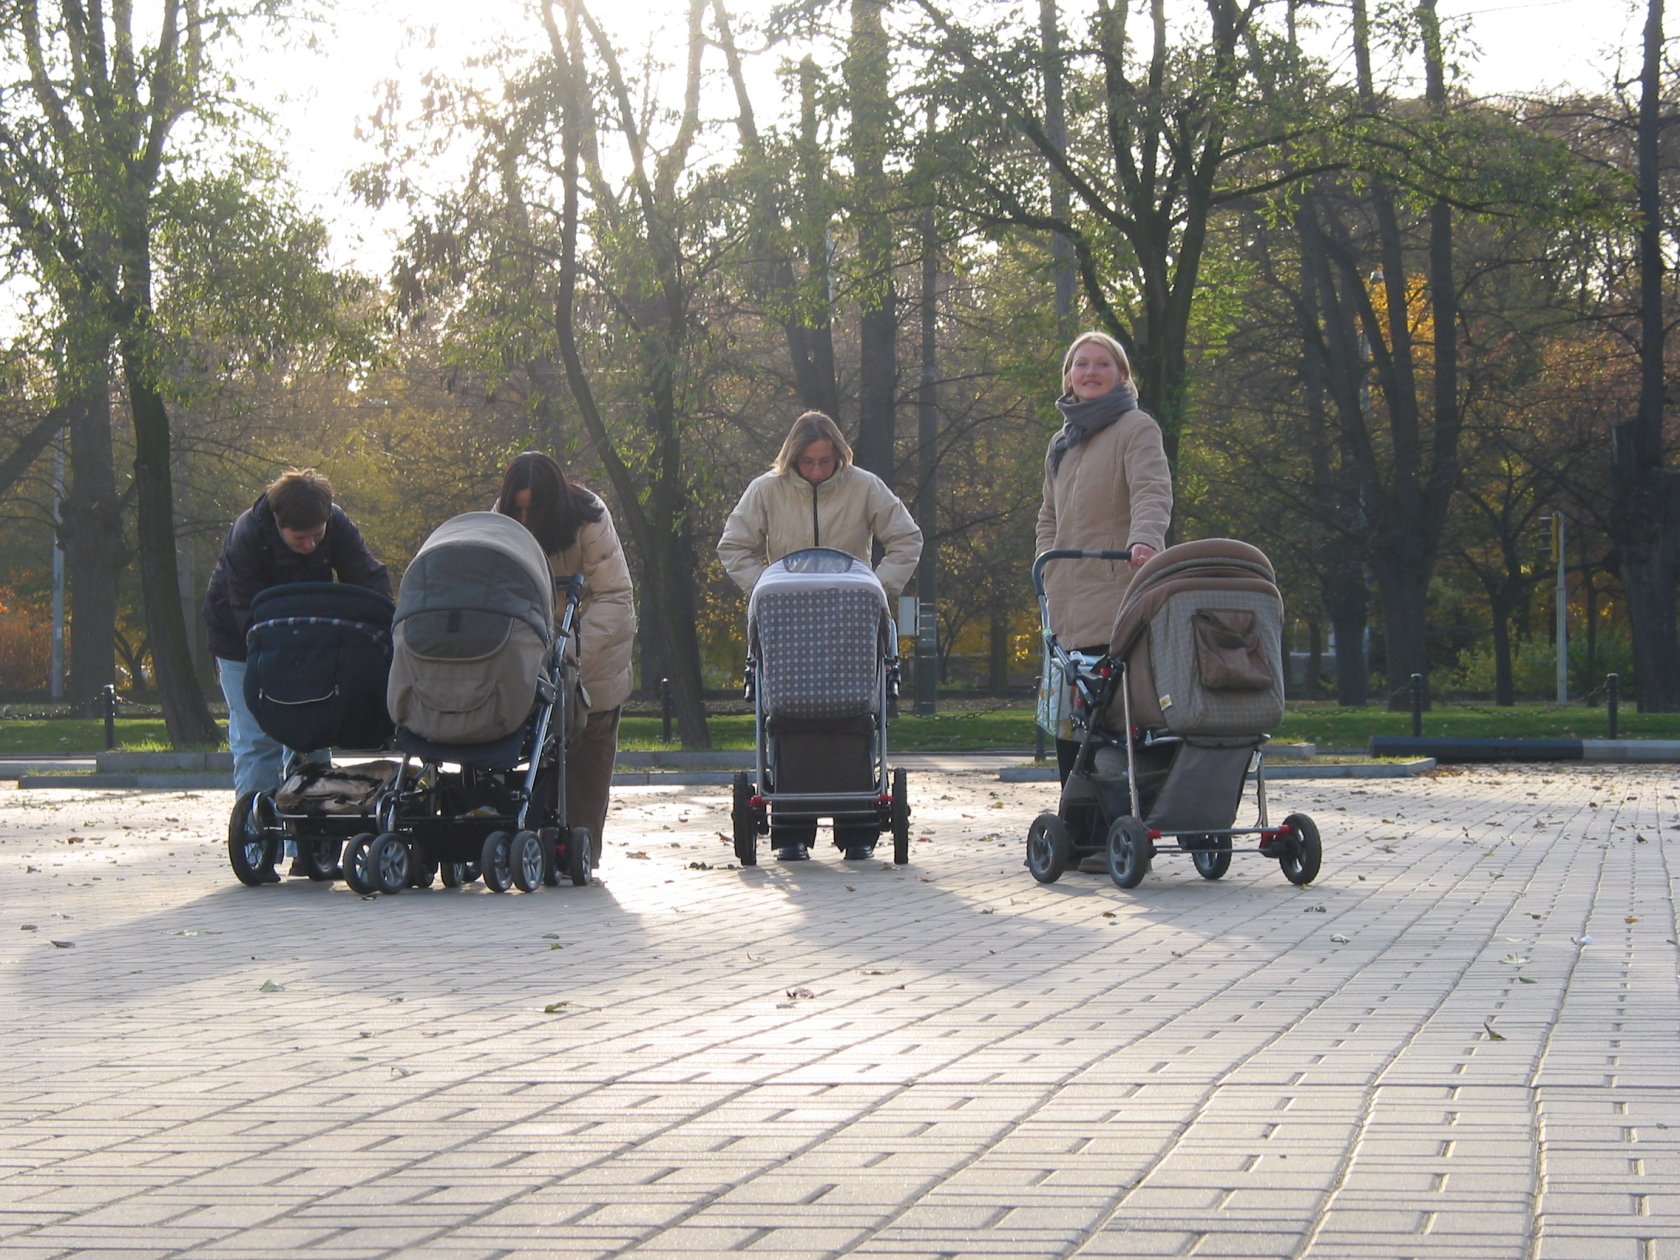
(1460, 1042)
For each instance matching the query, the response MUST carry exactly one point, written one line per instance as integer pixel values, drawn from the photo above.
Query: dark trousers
(589, 771)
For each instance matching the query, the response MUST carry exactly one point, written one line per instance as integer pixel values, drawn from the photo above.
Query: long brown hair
(559, 508)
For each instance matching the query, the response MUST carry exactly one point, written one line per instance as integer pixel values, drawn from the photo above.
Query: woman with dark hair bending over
(576, 533)
(1107, 486)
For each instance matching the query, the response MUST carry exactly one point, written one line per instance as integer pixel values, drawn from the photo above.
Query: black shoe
(298, 870)
(859, 852)
(792, 853)
(270, 875)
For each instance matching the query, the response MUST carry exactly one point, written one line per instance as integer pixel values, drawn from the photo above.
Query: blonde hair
(1107, 343)
(813, 426)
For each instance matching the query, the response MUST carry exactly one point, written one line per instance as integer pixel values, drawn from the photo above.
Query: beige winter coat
(606, 624)
(783, 512)
(1112, 490)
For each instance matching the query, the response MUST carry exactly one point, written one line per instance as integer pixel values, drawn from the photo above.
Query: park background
(1399, 321)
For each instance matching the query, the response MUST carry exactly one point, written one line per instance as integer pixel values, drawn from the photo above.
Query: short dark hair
(300, 499)
(559, 508)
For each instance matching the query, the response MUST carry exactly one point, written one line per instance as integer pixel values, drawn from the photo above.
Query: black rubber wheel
(388, 861)
(358, 873)
(496, 861)
(252, 849)
(1213, 856)
(745, 821)
(320, 857)
(1049, 848)
(552, 847)
(525, 855)
(1302, 852)
(900, 817)
(1129, 851)
(580, 867)
(421, 873)
(453, 874)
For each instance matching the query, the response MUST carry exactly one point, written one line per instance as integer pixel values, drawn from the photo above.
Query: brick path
(1415, 1056)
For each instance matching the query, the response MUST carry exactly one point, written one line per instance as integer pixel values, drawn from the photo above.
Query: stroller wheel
(1049, 848)
(552, 852)
(579, 856)
(422, 873)
(525, 855)
(357, 871)
(453, 874)
(388, 861)
(252, 851)
(1302, 853)
(1129, 851)
(900, 817)
(320, 858)
(1213, 856)
(496, 862)
(744, 820)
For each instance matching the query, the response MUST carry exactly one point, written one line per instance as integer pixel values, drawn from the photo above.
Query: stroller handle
(1065, 553)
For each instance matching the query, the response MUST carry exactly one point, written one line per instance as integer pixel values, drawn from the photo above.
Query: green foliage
(1534, 666)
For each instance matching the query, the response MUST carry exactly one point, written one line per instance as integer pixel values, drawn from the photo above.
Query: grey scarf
(1081, 419)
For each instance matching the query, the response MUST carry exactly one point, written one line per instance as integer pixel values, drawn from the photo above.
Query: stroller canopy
(479, 564)
(817, 622)
(473, 631)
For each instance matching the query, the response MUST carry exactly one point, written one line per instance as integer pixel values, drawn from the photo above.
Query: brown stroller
(1171, 720)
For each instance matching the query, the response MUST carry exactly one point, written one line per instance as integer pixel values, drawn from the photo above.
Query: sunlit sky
(1525, 45)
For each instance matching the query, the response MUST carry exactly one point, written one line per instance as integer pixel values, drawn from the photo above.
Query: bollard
(1613, 688)
(110, 696)
(1417, 706)
(665, 709)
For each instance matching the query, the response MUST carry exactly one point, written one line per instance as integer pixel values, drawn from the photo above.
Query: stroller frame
(755, 800)
(1119, 828)
(421, 836)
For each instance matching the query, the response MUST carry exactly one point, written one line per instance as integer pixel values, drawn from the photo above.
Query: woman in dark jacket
(292, 533)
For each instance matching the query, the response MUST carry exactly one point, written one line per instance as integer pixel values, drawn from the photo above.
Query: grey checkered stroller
(1170, 720)
(821, 664)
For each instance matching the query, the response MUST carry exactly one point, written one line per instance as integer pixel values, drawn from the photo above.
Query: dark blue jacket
(255, 557)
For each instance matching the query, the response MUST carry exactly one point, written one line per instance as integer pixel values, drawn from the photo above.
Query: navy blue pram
(317, 656)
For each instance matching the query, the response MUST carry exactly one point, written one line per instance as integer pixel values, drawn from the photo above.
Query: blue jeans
(257, 757)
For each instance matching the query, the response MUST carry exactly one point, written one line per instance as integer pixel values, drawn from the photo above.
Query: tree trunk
(185, 714)
(91, 533)
(1055, 133)
(1645, 519)
(866, 80)
(1402, 574)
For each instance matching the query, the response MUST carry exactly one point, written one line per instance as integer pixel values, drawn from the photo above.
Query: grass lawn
(970, 724)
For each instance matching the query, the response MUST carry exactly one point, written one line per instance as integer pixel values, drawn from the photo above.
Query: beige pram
(1171, 719)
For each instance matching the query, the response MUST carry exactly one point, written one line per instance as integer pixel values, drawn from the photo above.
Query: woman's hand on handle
(1140, 553)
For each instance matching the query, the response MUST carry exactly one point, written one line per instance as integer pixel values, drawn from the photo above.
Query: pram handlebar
(1064, 553)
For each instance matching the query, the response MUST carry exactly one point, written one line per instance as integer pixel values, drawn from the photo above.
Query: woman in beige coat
(576, 532)
(814, 496)
(1107, 486)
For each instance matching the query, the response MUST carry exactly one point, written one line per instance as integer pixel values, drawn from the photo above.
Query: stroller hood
(1201, 630)
(817, 622)
(473, 630)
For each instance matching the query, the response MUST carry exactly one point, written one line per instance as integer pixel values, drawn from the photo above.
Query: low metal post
(1613, 689)
(1417, 706)
(110, 697)
(665, 709)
